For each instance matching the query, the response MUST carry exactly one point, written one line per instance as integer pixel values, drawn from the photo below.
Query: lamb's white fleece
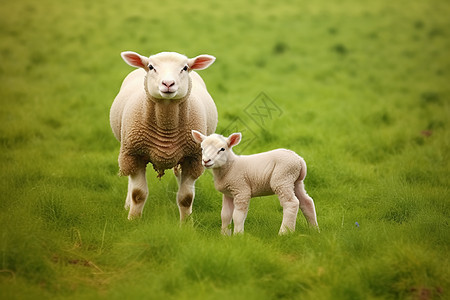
(240, 178)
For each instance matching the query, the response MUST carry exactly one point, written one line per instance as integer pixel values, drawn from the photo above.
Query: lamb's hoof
(226, 231)
(285, 231)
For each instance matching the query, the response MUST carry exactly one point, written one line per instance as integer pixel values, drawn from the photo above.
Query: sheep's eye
(185, 68)
(221, 149)
(150, 67)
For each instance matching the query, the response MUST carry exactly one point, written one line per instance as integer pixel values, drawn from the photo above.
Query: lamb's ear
(234, 139)
(198, 136)
(201, 62)
(134, 59)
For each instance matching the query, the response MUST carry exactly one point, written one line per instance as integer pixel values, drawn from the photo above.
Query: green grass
(364, 95)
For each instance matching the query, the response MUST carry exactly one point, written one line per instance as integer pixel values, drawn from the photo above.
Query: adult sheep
(152, 117)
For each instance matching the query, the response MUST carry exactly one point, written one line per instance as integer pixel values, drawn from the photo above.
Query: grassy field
(360, 90)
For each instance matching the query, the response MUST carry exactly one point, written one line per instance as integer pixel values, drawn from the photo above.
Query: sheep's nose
(168, 83)
(206, 161)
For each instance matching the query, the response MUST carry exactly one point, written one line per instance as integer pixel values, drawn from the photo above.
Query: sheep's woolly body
(159, 130)
(159, 133)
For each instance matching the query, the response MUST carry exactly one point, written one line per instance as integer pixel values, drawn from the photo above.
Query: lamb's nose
(206, 161)
(168, 83)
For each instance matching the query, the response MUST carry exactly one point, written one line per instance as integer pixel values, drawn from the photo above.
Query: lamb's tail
(302, 170)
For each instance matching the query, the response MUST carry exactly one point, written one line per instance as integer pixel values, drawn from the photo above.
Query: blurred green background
(361, 91)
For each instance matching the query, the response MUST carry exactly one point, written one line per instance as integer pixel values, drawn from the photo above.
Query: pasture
(360, 90)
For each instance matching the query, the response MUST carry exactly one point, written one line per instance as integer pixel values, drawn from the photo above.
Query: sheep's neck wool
(163, 130)
(166, 112)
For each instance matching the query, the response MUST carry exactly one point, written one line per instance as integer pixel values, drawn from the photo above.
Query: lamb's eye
(185, 68)
(221, 149)
(150, 67)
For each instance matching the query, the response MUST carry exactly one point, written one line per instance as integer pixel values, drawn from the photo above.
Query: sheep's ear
(198, 136)
(234, 139)
(134, 59)
(201, 62)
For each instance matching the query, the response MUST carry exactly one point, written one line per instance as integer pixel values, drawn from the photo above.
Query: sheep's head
(216, 149)
(167, 72)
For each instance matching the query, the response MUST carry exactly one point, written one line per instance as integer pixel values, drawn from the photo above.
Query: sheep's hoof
(134, 216)
(187, 221)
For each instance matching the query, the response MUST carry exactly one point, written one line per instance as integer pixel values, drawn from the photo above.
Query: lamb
(152, 116)
(240, 178)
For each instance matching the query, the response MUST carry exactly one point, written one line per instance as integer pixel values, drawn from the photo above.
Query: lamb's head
(216, 149)
(167, 72)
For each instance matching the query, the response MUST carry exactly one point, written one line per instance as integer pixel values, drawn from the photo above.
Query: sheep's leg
(290, 204)
(185, 196)
(191, 169)
(240, 211)
(177, 173)
(128, 200)
(306, 203)
(227, 214)
(134, 167)
(137, 193)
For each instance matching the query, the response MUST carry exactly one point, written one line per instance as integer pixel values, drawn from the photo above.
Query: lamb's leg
(240, 211)
(306, 203)
(190, 171)
(137, 193)
(290, 205)
(227, 214)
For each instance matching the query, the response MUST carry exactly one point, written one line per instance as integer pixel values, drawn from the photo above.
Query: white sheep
(152, 116)
(240, 178)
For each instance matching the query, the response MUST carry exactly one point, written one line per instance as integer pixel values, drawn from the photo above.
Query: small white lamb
(240, 178)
